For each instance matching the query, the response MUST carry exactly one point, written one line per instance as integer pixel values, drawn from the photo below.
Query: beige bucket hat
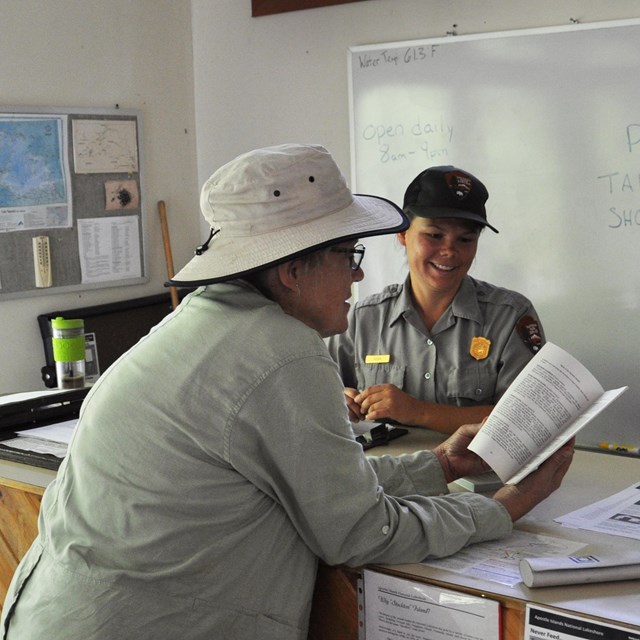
(272, 204)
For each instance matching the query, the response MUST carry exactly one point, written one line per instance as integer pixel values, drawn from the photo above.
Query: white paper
(397, 608)
(618, 515)
(363, 427)
(551, 399)
(37, 445)
(498, 560)
(109, 248)
(58, 432)
(51, 439)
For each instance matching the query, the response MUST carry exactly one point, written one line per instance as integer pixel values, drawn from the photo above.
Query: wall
(97, 53)
(283, 78)
(258, 81)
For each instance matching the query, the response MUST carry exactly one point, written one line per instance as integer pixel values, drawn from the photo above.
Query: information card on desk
(548, 623)
(397, 608)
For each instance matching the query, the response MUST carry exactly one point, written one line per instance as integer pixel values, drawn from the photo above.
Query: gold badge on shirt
(480, 348)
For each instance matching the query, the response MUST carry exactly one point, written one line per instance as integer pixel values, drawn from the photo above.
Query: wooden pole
(162, 210)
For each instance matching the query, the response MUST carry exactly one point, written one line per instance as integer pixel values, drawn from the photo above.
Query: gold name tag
(377, 358)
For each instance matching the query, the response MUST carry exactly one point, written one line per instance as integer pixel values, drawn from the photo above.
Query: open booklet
(552, 398)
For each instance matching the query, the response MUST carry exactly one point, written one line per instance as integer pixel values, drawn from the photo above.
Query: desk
(21, 489)
(592, 476)
(335, 613)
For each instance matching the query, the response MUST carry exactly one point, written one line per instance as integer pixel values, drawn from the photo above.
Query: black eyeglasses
(357, 255)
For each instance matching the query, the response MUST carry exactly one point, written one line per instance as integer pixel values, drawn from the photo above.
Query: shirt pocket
(470, 385)
(370, 374)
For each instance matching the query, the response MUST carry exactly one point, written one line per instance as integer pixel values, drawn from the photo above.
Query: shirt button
(427, 376)
(385, 529)
(429, 342)
(478, 392)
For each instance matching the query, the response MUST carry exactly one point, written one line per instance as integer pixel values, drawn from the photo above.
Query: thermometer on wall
(42, 261)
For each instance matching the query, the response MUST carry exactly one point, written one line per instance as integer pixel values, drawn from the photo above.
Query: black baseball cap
(447, 192)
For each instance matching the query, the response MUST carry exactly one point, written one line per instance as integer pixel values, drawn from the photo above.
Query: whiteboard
(549, 120)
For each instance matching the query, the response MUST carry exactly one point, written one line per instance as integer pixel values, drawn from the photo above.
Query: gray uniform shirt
(387, 342)
(212, 465)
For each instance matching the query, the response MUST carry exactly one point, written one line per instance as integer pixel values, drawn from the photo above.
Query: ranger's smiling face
(440, 251)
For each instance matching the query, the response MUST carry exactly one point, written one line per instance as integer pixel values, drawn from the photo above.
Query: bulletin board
(70, 190)
(549, 120)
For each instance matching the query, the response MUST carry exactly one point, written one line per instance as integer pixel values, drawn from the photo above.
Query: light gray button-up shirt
(213, 464)
(387, 342)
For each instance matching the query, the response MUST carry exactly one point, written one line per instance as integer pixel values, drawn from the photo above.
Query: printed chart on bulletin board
(71, 211)
(549, 120)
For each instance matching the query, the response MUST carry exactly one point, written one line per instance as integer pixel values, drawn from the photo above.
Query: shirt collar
(402, 304)
(464, 305)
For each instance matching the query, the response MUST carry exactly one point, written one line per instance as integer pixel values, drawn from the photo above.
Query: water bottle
(69, 352)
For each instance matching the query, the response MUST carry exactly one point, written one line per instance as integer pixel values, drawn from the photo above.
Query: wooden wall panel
(19, 508)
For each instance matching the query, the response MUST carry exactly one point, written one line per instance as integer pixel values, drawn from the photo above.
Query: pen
(612, 446)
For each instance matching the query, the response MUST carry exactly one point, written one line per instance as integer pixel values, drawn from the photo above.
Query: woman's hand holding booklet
(552, 398)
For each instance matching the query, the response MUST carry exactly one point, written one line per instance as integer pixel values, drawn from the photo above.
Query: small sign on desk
(395, 608)
(550, 623)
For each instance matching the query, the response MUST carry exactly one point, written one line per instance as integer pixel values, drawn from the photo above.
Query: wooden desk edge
(21, 486)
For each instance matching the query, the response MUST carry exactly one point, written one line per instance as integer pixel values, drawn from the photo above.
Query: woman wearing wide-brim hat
(214, 463)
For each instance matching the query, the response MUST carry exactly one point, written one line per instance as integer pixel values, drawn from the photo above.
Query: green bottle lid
(61, 323)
